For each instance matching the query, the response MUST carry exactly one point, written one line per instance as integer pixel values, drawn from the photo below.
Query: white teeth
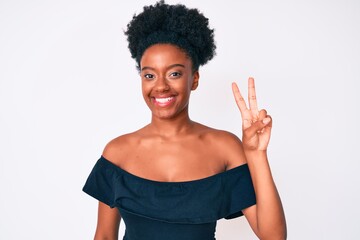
(163, 100)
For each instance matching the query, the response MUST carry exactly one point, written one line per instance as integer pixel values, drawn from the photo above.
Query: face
(167, 80)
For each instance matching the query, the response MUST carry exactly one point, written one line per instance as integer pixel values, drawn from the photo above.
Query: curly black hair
(186, 28)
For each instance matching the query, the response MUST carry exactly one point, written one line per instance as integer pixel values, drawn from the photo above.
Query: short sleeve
(100, 183)
(238, 192)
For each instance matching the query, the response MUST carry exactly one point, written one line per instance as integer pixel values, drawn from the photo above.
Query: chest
(173, 161)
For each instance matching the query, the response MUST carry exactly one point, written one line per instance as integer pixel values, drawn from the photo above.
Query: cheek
(144, 89)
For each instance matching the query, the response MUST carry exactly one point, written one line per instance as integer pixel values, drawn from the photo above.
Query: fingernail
(266, 120)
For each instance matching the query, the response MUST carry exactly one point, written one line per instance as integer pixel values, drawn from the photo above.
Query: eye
(175, 74)
(148, 76)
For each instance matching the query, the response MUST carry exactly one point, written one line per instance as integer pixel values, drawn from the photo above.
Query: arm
(267, 217)
(108, 223)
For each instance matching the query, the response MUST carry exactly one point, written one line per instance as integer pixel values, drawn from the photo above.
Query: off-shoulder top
(154, 210)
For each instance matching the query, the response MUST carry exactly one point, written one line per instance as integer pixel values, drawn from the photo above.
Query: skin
(174, 148)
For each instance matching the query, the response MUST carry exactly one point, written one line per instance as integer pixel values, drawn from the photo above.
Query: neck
(172, 126)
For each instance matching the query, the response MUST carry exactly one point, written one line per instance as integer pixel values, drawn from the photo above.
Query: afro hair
(175, 24)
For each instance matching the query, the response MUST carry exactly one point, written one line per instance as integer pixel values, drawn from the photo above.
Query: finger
(259, 126)
(262, 114)
(252, 98)
(269, 125)
(247, 123)
(239, 99)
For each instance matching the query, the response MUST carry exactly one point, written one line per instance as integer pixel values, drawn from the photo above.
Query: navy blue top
(154, 210)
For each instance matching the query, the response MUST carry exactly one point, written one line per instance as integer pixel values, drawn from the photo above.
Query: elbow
(105, 237)
(276, 236)
(282, 236)
(279, 233)
(279, 236)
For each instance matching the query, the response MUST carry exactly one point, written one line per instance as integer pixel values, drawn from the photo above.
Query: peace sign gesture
(256, 124)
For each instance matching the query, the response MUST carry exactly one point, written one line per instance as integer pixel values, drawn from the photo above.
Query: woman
(174, 178)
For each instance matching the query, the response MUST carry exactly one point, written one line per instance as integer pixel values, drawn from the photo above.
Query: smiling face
(167, 80)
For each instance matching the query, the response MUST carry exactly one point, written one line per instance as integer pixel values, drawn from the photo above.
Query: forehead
(164, 54)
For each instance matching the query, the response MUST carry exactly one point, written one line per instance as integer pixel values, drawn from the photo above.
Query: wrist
(255, 155)
(255, 152)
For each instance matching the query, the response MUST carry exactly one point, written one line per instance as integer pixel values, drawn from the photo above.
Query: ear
(195, 83)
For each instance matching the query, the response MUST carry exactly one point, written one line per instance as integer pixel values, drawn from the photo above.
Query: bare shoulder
(228, 144)
(118, 148)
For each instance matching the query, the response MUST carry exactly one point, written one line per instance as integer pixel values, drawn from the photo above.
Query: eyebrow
(171, 66)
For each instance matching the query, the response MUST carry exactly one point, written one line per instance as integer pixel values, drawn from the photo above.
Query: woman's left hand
(256, 125)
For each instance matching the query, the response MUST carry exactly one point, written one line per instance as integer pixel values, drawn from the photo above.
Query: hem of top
(239, 213)
(98, 197)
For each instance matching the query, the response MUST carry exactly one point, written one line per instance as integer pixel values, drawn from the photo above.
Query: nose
(162, 85)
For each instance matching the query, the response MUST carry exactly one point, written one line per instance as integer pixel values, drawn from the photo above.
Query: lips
(163, 101)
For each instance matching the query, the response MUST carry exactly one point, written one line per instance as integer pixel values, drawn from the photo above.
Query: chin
(169, 113)
(164, 116)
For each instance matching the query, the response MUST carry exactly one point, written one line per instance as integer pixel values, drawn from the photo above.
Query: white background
(68, 86)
